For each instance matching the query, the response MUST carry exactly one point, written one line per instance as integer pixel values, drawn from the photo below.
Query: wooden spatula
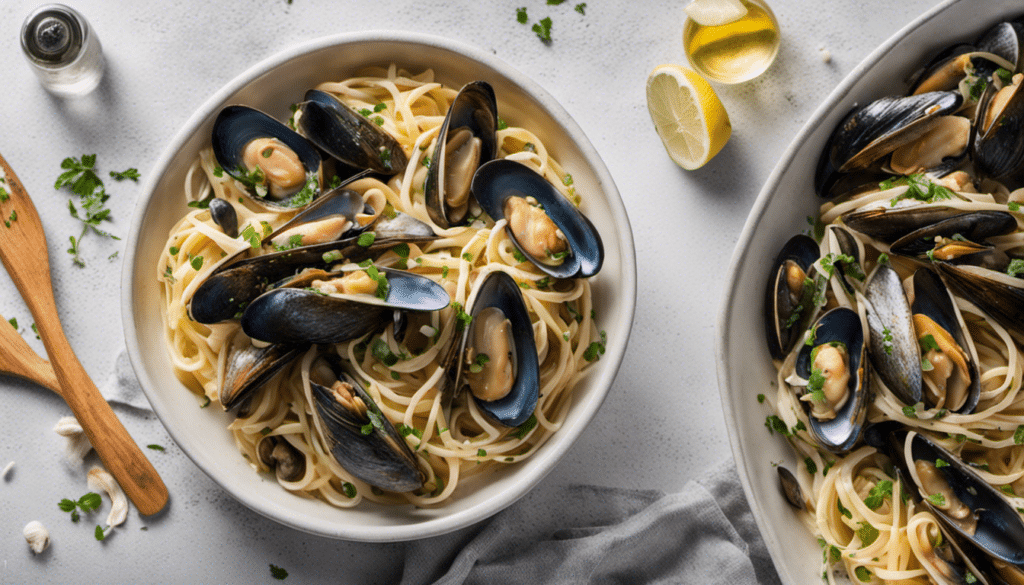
(24, 254)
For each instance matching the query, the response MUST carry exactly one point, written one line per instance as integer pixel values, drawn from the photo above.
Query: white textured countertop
(661, 424)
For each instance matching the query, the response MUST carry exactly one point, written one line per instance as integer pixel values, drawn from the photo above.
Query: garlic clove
(99, 479)
(37, 536)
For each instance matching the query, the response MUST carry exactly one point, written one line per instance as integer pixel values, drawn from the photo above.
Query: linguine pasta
(864, 519)
(402, 377)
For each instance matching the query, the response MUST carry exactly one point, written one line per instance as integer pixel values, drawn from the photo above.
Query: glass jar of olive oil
(736, 51)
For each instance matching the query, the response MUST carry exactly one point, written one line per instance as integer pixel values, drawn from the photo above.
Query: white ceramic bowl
(272, 86)
(744, 366)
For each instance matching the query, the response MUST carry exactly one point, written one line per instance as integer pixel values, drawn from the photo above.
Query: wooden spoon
(24, 254)
(16, 357)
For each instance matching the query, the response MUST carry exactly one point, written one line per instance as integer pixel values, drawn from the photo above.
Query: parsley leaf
(131, 173)
(524, 429)
(937, 500)
(81, 177)
(867, 533)
(878, 493)
(863, 573)
(581, 7)
(277, 572)
(1015, 268)
(543, 29)
(521, 15)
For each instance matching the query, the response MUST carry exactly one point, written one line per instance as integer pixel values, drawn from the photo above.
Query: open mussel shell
(999, 143)
(497, 181)
(991, 524)
(358, 434)
(234, 284)
(499, 291)
(870, 132)
(974, 226)
(889, 224)
(840, 325)
(895, 353)
(278, 454)
(788, 304)
(947, 70)
(301, 315)
(998, 294)
(467, 139)
(932, 302)
(249, 367)
(238, 126)
(349, 136)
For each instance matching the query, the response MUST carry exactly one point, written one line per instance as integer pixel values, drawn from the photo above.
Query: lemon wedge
(689, 117)
(715, 12)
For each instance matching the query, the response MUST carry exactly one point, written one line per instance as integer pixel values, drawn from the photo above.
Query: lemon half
(689, 117)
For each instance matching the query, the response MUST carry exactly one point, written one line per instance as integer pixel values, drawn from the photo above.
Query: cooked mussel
(889, 224)
(789, 303)
(278, 454)
(357, 433)
(999, 144)
(466, 140)
(324, 233)
(542, 223)
(961, 230)
(338, 306)
(348, 135)
(873, 131)
(223, 214)
(962, 501)
(951, 379)
(835, 367)
(894, 349)
(1000, 295)
(496, 356)
(249, 366)
(279, 168)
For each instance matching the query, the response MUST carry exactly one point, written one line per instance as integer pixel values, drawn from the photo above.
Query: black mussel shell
(870, 132)
(498, 180)
(366, 444)
(932, 300)
(782, 328)
(298, 315)
(237, 126)
(249, 367)
(223, 214)
(895, 353)
(349, 136)
(841, 433)
(1000, 529)
(476, 110)
(975, 226)
(890, 224)
(999, 143)
(791, 488)
(998, 294)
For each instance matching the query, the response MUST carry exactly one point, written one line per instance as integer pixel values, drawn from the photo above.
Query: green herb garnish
(878, 493)
(543, 29)
(86, 503)
(277, 572)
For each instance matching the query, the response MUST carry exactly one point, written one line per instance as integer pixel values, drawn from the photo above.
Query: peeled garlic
(37, 536)
(78, 444)
(99, 479)
(7, 469)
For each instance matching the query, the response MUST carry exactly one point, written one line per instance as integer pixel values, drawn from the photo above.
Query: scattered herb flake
(277, 572)
(581, 8)
(130, 174)
(543, 29)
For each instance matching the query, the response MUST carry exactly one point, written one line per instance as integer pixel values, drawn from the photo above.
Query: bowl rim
(615, 348)
(752, 224)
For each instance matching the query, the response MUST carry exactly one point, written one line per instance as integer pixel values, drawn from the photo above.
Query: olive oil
(737, 51)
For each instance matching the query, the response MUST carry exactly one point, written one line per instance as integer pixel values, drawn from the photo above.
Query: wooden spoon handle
(24, 254)
(16, 357)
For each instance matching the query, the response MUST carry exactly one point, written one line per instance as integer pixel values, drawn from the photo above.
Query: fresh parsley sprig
(86, 503)
(80, 176)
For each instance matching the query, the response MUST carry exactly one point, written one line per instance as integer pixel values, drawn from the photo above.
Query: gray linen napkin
(592, 535)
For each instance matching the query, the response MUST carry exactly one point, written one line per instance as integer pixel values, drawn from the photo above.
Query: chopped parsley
(524, 429)
(555, 2)
(1004, 75)
(581, 8)
(406, 430)
(567, 179)
(99, 533)
(380, 107)
(976, 88)
(910, 411)
(1015, 268)
(383, 353)
(332, 256)
(478, 364)
(867, 533)
(13, 321)
(277, 572)
(1018, 435)
(129, 174)
(366, 239)
(887, 340)
(1013, 206)
(81, 177)
(928, 343)
(86, 503)
(502, 124)
(878, 493)
(596, 349)
(519, 256)
(812, 468)
(249, 234)
(543, 29)
(777, 425)
(816, 385)
(919, 187)
(463, 318)
(156, 447)
(842, 509)
(195, 261)
(204, 204)
(862, 573)
(468, 257)
(481, 453)
(760, 398)
(293, 242)
(521, 16)
(939, 462)
(385, 154)
(937, 500)
(348, 489)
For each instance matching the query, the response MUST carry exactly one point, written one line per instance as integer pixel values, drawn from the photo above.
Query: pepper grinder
(63, 50)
